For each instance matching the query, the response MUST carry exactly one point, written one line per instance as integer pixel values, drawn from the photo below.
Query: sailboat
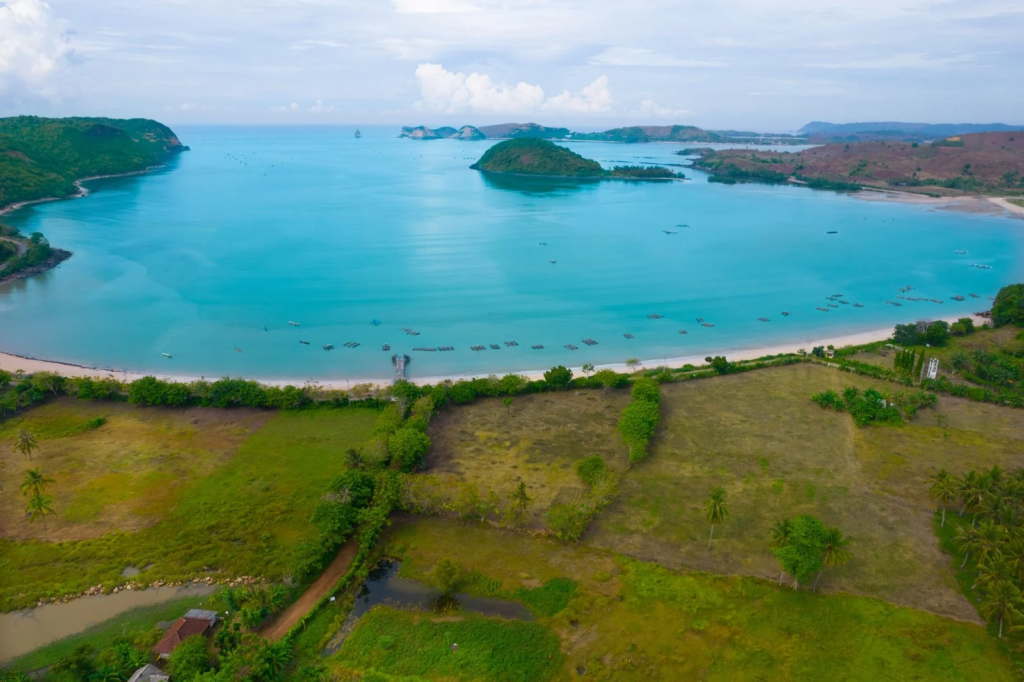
(358, 134)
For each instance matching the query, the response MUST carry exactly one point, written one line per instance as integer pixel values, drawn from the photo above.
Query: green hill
(532, 156)
(42, 157)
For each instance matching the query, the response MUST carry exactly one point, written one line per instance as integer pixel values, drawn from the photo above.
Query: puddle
(23, 631)
(385, 587)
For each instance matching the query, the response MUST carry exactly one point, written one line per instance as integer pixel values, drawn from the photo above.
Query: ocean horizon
(210, 258)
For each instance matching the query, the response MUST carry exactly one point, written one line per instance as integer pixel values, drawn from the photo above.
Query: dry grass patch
(540, 441)
(778, 455)
(123, 475)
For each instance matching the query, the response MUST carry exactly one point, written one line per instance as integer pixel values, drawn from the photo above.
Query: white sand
(14, 363)
(972, 204)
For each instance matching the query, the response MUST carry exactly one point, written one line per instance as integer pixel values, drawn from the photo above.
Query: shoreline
(82, 191)
(12, 362)
(976, 203)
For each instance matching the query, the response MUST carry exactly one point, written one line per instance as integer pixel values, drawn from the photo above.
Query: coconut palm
(25, 443)
(277, 657)
(990, 537)
(1003, 603)
(996, 569)
(779, 534)
(969, 491)
(355, 459)
(715, 510)
(34, 483)
(944, 490)
(834, 553)
(966, 539)
(39, 508)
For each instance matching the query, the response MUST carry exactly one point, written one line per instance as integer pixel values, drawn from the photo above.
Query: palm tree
(520, 500)
(944, 490)
(277, 658)
(106, 673)
(834, 551)
(996, 569)
(990, 537)
(1014, 553)
(969, 490)
(779, 533)
(35, 483)
(966, 540)
(715, 510)
(25, 443)
(39, 508)
(355, 459)
(1003, 603)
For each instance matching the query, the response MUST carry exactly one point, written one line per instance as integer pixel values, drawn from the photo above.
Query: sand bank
(974, 204)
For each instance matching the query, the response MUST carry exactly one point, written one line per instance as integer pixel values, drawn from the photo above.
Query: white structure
(149, 673)
(933, 368)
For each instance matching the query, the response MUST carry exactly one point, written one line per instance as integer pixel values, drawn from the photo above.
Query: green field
(203, 490)
(640, 621)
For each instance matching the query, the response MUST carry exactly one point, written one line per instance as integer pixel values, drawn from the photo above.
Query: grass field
(775, 452)
(989, 340)
(540, 439)
(241, 487)
(639, 621)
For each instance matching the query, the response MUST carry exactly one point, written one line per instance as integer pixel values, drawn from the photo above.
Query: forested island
(536, 157)
(980, 163)
(42, 158)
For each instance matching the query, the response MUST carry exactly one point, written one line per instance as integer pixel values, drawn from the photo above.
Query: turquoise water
(257, 226)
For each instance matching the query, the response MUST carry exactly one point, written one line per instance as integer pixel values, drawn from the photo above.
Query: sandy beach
(975, 204)
(14, 363)
(82, 191)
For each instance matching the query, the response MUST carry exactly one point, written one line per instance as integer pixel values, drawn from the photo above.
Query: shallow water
(258, 226)
(29, 629)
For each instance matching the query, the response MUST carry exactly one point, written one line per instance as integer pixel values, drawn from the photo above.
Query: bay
(258, 226)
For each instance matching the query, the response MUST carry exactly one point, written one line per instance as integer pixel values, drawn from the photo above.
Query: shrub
(569, 521)
(591, 469)
(647, 390)
(1009, 306)
(558, 377)
(637, 425)
(408, 445)
(550, 598)
(447, 575)
(190, 659)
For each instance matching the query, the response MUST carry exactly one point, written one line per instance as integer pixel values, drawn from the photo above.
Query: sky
(588, 64)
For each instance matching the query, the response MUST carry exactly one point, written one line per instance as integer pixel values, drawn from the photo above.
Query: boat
(785, 313)
(553, 262)
(832, 232)
(824, 310)
(669, 231)
(628, 336)
(386, 347)
(375, 322)
(237, 349)
(762, 319)
(294, 324)
(358, 134)
(700, 319)
(537, 347)
(166, 355)
(654, 316)
(706, 324)
(858, 305)
(328, 346)
(304, 343)
(682, 331)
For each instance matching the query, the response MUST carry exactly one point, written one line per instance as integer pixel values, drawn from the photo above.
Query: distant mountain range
(897, 130)
(666, 133)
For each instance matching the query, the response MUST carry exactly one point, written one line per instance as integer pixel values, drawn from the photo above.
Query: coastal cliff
(42, 158)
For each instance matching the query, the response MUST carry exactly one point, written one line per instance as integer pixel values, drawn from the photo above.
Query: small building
(830, 352)
(195, 622)
(149, 673)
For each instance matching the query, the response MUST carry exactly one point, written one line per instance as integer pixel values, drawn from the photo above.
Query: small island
(535, 157)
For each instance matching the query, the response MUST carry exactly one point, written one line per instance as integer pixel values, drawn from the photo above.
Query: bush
(408, 445)
(1009, 306)
(637, 425)
(447, 575)
(558, 377)
(647, 390)
(591, 469)
(569, 521)
(190, 659)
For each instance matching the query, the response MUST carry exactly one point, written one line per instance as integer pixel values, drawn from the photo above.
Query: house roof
(148, 673)
(182, 628)
(202, 613)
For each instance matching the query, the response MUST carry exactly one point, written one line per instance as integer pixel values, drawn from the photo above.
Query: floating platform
(627, 336)
(974, 296)
(537, 347)
(386, 347)
(352, 344)
(824, 310)
(763, 319)
(958, 298)
(426, 350)
(495, 346)
(858, 305)
(511, 344)
(477, 348)
(655, 316)
(706, 324)
(570, 347)
(294, 324)
(683, 331)
(590, 342)
(304, 343)
(328, 346)
(446, 348)
(785, 313)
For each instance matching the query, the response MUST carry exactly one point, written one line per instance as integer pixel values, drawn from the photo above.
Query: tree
(633, 364)
(834, 553)
(609, 378)
(25, 443)
(355, 459)
(715, 510)
(190, 658)
(637, 426)
(588, 369)
(779, 535)
(966, 540)
(906, 335)
(39, 508)
(1003, 603)
(520, 499)
(719, 363)
(801, 556)
(558, 377)
(408, 446)
(944, 490)
(34, 483)
(1008, 307)
(446, 575)
(937, 333)
(507, 402)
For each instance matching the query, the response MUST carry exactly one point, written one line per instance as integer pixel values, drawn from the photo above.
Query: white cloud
(34, 45)
(905, 60)
(637, 56)
(596, 98)
(318, 107)
(451, 93)
(433, 6)
(187, 106)
(309, 44)
(650, 109)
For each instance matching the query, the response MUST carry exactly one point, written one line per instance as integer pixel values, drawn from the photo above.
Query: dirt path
(280, 626)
